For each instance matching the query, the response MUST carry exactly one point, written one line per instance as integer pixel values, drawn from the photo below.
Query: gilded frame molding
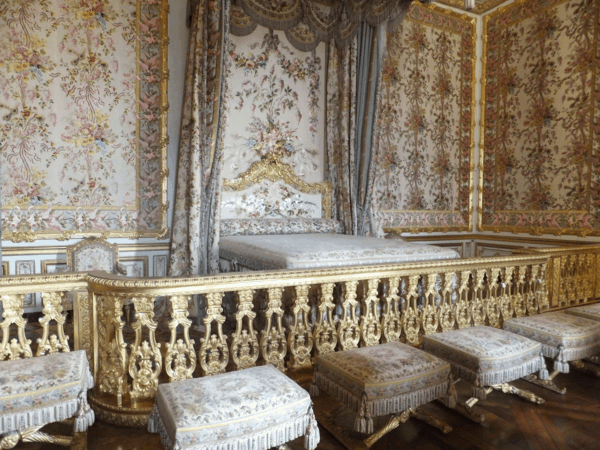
(25, 233)
(533, 230)
(137, 259)
(481, 6)
(273, 169)
(473, 105)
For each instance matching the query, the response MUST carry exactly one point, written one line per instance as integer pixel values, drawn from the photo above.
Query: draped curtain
(194, 241)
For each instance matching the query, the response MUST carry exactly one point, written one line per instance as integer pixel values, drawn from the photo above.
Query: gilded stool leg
(466, 408)
(586, 367)
(430, 420)
(393, 423)
(33, 434)
(527, 395)
(547, 384)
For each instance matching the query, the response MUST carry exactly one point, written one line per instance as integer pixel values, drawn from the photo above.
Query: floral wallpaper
(82, 132)
(541, 157)
(425, 123)
(275, 104)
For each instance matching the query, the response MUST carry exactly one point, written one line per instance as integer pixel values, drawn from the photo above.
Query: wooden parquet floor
(570, 421)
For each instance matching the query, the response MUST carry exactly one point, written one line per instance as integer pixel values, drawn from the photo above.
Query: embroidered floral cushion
(484, 355)
(298, 225)
(259, 406)
(393, 377)
(300, 251)
(576, 336)
(41, 390)
(591, 312)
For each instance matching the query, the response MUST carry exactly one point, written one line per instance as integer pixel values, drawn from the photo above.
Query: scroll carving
(53, 310)
(463, 310)
(478, 309)
(391, 325)
(272, 342)
(19, 347)
(214, 353)
(325, 335)
(370, 328)
(300, 338)
(348, 329)
(180, 358)
(244, 345)
(447, 314)
(410, 317)
(429, 316)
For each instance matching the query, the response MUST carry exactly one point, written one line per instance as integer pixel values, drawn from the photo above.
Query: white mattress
(308, 251)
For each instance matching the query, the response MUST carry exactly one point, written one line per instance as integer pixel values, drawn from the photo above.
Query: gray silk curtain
(194, 242)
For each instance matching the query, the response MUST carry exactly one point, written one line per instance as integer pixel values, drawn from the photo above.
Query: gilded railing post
(324, 334)
(244, 345)
(494, 301)
(272, 341)
(447, 314)
(214, 353)
(429, 316)
(113, 359)
(348, 330)
(300, 338)
(463, 310)
(541, 287)
(520, 301)
(477, 302)
(180, 359)
(370, 328)
(390, 323)
(53, 310)
(410, 315)
(19, 347)
(145, 359)
(507, 305)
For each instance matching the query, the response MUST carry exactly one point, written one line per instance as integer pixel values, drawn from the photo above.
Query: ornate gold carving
(430, 320)
(447, 313)
(272, 342)
(348, 330)
(478, 309)
(53, 311)
(410, 319)
(300, 338)
(520, 301)
(463, 310)
(370, 328)
(493, 305)
(244, 345)
(214, 354)
(391, 325)
(19, 347)
(145, 360)
(507, 306)
(180, 359)
(325, 335)
(273, 169)
(112, 349)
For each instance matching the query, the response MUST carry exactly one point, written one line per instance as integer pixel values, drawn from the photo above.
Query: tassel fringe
(478, 392)
(272, 437)
(492, 377)
(85, 415)
(39, 416)
(565, 355)
(314, 390)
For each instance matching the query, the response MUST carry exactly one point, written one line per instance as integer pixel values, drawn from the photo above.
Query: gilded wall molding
(481, 6)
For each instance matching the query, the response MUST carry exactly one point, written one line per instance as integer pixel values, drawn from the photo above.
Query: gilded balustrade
(329, 310)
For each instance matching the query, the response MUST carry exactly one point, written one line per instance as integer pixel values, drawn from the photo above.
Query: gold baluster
(446, 312)
(463, 310)
(391, 325)
(53, 310)
(477, 303)
(541, 288)
(370, 328)
(300, 338)
(507, 305)
(145, 360)
(325, 336)
(244, 345)
(348, 329)
(429, 315)
(19, 347)
(214, 353)
(520, 302)
(494, 301)
(272, 341)
(180, 359)
(112, 370)
(410, 316)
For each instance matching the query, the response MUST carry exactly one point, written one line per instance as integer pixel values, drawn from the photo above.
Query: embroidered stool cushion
(564, 337)
(486, 356)
(45, 389)
(591, 312)
(379, 380)
(256, 408)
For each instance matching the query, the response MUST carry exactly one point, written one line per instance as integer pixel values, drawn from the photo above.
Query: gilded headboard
(271, 189)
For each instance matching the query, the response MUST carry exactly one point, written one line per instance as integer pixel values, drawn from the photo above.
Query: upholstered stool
(256, 408)
(384, 379)
(37, 391)
(564, 338)
(591, 312)
(488, 359)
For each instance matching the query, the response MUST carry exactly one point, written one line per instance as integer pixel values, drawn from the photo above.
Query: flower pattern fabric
(249, 227)
(299, 251)
(591, 312)
(41, 390)
(215, 411)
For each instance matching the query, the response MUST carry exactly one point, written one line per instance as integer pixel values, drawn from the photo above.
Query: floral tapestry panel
(425, 123)
(83, 118)
(275, 104)
(541, 153)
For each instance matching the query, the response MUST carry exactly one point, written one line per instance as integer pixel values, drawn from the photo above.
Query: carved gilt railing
(573, 274)
(20, 341)
(286, 318)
